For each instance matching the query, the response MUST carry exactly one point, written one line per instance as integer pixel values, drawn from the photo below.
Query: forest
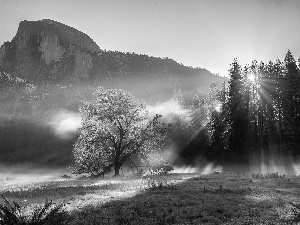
(255, 119)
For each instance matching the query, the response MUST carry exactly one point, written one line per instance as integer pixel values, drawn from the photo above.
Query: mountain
(38, 45)
(48, 69)
(49, 51)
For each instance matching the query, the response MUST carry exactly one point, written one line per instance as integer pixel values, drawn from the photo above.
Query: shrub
(161, 169)
(47, 214)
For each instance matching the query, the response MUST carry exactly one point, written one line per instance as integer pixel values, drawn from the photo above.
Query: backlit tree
(115, 126)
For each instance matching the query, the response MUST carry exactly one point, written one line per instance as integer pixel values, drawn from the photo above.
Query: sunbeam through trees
(258, 122)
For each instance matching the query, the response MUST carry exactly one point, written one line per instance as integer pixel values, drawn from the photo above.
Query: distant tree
(208, 127)
(178, 97)
(180, 134)
(115, 126)
(218, 126)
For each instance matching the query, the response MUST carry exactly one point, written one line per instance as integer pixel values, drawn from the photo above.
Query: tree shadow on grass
(194, 201)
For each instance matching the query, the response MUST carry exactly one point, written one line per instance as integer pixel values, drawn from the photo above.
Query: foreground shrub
(48, 214)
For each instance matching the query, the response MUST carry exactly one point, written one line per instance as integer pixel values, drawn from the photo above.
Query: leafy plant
(49, 213)
(296, 212)
(160, 184)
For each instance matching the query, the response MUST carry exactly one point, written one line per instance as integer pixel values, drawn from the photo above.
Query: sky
(199, 33)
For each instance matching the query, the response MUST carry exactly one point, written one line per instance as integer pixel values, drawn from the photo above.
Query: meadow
(178, 198)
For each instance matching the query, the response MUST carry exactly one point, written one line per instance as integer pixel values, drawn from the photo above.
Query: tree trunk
(117, 169)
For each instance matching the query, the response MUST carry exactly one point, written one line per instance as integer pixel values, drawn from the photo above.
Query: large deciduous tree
(115, 126)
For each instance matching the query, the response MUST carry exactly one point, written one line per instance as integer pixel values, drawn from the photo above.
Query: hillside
(49, 51)
(48, 69)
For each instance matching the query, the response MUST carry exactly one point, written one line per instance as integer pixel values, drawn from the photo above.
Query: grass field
(192, 198)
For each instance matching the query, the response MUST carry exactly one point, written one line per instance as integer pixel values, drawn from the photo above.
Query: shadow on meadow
(227, 198)
(198, 200)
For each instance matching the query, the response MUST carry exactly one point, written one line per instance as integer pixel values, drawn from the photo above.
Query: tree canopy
(115, 126)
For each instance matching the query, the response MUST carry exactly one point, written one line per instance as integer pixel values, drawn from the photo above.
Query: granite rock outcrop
(40, 49)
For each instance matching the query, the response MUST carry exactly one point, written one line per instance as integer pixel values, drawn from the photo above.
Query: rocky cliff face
(41, 49)
(47, 51)
(50, 48)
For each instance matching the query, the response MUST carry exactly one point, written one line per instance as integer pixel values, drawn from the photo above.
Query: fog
(207, 168)
(286, 165)
(64, 123)
(27, 175)
(170, 110)
(47, 137)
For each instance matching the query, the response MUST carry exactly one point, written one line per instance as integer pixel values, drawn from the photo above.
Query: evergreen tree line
(255, 118)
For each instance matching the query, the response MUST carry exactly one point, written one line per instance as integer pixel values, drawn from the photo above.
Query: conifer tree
(237, 113)
(218, 128)
(291, 105)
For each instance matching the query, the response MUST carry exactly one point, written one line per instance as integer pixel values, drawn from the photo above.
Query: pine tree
(218, 131)
(237, 113)
(178, 97)
(291, 105)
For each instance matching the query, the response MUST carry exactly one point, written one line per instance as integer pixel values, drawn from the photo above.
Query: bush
(161, 169)
(48, 214)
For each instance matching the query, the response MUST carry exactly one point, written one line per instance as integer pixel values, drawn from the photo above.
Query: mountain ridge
(43, 49)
